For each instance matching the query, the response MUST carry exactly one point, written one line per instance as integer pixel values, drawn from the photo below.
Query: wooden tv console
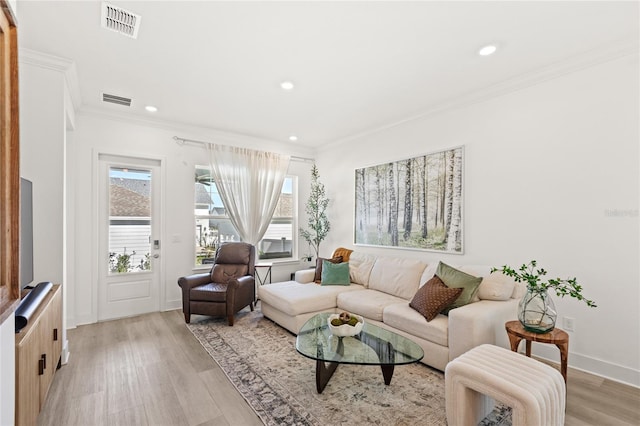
(38, 350)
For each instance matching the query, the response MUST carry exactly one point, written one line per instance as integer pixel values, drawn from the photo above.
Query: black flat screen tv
(26, 233)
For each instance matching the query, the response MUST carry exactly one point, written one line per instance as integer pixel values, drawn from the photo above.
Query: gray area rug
(260, 359)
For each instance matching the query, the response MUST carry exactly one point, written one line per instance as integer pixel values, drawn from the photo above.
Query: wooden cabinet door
(38, 348)
(51, 341)
(46, 346)
(28, 359)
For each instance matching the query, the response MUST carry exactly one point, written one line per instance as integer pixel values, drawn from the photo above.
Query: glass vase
(537, 312)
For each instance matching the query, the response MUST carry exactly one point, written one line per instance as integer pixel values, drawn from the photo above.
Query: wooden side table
(560, 338)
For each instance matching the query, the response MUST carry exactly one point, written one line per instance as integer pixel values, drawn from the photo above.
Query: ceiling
(356, 66)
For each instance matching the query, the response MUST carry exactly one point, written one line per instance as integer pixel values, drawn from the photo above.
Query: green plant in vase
(536, 310)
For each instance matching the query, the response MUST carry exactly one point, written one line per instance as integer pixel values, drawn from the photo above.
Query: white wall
(544, 168)
(42, 139)
(7, 371)
(95, 134)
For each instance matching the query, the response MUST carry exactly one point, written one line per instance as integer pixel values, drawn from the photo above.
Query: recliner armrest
(240, 292)
(194, 280)
(246, 280)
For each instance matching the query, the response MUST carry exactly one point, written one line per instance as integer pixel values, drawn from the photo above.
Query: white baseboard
(65, 352)
(618, 373)
(85, 319)
(608, 370)
(71, 323)
(173, 304)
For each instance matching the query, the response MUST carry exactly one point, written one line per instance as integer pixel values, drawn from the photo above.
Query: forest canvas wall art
(415, 203)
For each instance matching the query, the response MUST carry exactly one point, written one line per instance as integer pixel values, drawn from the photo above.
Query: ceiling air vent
(119, 20)
(116, 99)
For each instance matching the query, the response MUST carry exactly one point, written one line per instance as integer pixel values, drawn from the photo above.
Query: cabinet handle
(40, 367)
(55, 334)
(44, 361)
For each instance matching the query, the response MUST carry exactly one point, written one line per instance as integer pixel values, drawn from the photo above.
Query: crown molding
(55, 63)
(552, 71)
(44, 60)
(197, 132)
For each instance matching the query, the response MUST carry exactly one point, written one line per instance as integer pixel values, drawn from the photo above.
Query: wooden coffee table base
(560, 338)
(324, 371)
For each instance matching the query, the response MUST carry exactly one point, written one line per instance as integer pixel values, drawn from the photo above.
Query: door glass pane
(129, 220)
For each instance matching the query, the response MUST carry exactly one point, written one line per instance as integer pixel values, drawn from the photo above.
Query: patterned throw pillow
(433, 297)
(318, 276)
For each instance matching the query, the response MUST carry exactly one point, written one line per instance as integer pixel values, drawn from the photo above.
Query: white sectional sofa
(381, 289)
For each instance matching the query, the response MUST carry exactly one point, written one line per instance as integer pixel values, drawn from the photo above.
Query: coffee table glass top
(372, 346)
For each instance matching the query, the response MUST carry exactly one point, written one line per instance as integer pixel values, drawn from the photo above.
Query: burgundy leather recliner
(226, 289)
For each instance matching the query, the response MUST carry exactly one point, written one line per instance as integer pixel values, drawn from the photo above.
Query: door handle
(42, 364)
(155, 256)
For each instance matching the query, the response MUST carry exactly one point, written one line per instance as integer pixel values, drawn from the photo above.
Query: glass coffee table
(372, 346)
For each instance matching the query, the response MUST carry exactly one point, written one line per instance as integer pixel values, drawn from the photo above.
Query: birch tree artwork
(415, 203)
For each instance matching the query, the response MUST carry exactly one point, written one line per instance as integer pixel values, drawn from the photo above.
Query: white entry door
(129, 236)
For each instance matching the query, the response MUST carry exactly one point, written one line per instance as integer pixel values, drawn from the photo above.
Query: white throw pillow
(428, 273)
(397, 276)
(519, 290)
(496, 286)
(360, 265)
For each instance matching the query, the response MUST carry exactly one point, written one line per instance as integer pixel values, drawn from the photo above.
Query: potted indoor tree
(318, 224)
(536, 310)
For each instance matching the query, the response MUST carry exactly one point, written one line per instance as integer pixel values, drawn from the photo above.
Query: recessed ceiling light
(293, 138)
(487, 50)
(151, 108)
(287, 85)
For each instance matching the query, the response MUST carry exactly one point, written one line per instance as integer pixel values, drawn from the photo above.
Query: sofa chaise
(381, 289)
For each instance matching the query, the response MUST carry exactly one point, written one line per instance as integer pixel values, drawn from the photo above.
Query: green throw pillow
(335, 273)
(454, 278)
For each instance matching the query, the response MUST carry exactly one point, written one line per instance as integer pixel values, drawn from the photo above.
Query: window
(277, 242)
(129, 220)
(214, 227)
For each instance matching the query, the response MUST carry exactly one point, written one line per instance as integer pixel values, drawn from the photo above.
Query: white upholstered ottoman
(534, 390)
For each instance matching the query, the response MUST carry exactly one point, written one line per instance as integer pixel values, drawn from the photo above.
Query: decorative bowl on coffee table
(345, 330)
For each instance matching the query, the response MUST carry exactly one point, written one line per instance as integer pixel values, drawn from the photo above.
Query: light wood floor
(150, 370)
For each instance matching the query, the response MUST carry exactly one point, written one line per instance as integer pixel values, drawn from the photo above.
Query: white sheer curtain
(250, 183)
